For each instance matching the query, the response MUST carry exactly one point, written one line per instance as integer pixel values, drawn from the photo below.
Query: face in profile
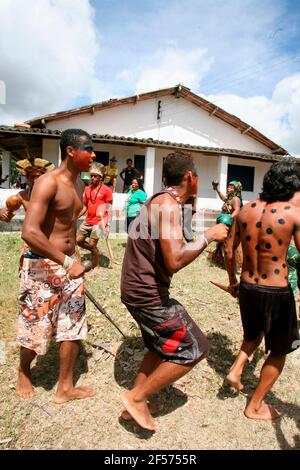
(193, 185)
(84, 156)
(230, 189)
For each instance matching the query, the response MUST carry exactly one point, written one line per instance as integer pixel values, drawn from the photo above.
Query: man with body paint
(52, 302)
(265, 228)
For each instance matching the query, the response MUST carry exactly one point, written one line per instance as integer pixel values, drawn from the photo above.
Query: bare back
(265, 231)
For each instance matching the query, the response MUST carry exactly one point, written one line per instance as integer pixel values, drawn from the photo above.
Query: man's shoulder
(163, 198)
(47, 180)
(296, 199)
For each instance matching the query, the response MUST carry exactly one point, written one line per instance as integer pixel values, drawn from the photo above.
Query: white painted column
(51, 151)
(222, 173)
(149, 170)
(5, 167)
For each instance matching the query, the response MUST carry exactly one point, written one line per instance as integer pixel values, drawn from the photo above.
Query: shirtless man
(32, 171)
(265, 227)
(175, 342)
(51, 291)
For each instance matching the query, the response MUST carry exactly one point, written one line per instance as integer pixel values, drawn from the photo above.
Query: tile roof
(178, 91)
(47, 133)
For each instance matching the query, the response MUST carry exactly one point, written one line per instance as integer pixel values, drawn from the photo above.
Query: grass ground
(199, 413)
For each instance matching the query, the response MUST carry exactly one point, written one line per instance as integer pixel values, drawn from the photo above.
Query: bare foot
(75, 393)
(234, 381)
(96, 270)
(154, 408)
(266, 412)
(24, 388)
(139, 411)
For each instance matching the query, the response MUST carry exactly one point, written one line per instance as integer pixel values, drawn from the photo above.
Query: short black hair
(140, 183)
(280, 182)
(129, 160)
(71, 137)
(175, 165)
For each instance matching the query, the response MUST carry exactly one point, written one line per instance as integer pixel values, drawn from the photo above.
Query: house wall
(181, 121)
(51, 151)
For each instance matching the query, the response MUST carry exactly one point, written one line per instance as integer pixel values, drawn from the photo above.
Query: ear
(189, 175)
(69, 151)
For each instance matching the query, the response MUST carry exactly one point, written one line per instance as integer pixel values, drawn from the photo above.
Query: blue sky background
(241, 54)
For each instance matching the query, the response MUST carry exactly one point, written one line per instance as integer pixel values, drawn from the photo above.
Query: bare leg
(135, 401)
(236, 370)
(81, 241)
(257, 408)
(150, 362)
(95, 254)
(66, 391)
(24, 385)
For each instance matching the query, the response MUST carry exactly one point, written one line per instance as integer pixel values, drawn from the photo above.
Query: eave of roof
(108, 139)
(178, 91)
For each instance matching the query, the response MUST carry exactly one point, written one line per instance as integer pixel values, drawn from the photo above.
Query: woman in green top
(137, 197)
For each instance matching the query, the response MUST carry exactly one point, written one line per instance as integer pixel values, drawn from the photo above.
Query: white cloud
(171, 66)
(278, 117)
(48, 50)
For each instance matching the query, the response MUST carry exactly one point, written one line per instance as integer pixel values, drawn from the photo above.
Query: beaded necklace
(95, 198)
(175, 194)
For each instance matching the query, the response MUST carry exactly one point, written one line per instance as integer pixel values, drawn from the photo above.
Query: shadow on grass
(126, 367)
(45, 371)
(220, 359)
(104, 261)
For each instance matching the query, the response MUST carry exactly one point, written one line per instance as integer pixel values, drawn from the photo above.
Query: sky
(243, 55)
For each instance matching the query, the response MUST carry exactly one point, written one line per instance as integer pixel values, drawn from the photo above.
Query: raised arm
(215, 187)
(176, 253)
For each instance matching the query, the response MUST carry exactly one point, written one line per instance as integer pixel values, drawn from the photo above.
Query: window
(102, 157)
(244, 174)
(139, 163)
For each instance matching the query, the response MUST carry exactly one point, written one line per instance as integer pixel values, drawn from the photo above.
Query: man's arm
(114, 184)
(230, 247)
(41, 197)
(122, 173)
(82, 212)
(176, 253)
(137, 173)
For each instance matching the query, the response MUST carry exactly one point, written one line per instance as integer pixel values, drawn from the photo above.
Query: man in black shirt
(130, 173)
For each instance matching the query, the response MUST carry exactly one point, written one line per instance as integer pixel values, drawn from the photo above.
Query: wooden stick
(221, 286)
(110, 253)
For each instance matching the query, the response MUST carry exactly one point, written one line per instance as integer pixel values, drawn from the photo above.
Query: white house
(146, 128)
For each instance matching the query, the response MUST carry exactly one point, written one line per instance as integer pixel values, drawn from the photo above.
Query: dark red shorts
(171, 332)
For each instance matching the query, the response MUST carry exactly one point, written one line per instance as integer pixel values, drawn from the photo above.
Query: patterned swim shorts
(169, 331)
(51, 305)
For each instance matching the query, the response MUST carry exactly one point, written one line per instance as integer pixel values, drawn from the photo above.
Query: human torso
(133, 205)
(61, 220)
(94, 200)
(227, 207)
(145, 278)
(266, 231)
(129, 176)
